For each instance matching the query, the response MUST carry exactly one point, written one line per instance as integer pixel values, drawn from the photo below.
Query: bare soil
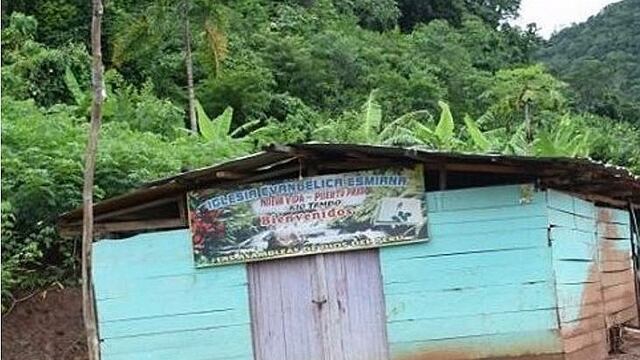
(48, 326)
(630, 349)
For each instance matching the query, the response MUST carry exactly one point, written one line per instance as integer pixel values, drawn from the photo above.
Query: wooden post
(635, 237)
(188, 59)
(527, 121)
(88, 305)
(442, 178)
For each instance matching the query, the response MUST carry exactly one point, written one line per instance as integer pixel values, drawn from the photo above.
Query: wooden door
(318, 307)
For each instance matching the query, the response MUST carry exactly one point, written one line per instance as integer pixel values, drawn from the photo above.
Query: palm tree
(154, 27)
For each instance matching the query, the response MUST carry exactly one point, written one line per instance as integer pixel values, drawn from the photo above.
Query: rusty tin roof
(593, 180)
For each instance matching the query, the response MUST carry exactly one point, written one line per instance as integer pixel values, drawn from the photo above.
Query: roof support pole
(442, 178)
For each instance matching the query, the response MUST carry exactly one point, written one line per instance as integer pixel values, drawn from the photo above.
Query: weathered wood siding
(593, 270)
(617, 274)
(152, 302)
(482, 287)
(318, 307)
(576, 264)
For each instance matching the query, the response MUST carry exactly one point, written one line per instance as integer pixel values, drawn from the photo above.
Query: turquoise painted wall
(502, 274)
(575, 250)
(153, 304)
(483, 286)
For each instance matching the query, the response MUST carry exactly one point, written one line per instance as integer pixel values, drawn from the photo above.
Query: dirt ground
(630, 349)
(48, 326)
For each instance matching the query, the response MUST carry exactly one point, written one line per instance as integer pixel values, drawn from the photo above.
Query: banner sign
(328, 213)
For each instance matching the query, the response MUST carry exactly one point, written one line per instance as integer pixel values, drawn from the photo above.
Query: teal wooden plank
(474, 325)
(489, 226)
(487, 214)
(120, 285)
(584, 208)
(410, 269)
(173, 322)
(465, 243)
(205, 352)
(571, 295)
(571, 221)
(570, 204)
(139, 305)
(123, 256)
(152, 244)
(564, 234)
(450, 279)
(574, 250)
(230, 340)
(153, 304)
(477, 198)
(575, 272)
(469, 301)
(569, 314)
(483, 346)
(560, 200)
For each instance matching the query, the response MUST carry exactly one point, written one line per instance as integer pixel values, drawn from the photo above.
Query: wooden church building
(353, 252)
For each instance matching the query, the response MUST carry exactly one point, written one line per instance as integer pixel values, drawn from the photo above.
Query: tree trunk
(88, 305)
(527, 121)
(188, 59)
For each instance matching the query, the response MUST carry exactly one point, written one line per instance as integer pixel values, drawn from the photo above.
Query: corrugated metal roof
(582, 176)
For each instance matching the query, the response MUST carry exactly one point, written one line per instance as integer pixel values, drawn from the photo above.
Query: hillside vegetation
(600, 58)
(438, 74)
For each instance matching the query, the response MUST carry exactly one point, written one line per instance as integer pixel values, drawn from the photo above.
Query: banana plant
(218, 130)
(408, 130)
(565, 138)
(82, 98)
(371, 118)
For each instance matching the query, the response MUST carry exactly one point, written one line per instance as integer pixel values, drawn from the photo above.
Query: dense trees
(448, 74)
(601, 60)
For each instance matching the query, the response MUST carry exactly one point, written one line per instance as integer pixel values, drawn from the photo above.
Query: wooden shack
(502, 257)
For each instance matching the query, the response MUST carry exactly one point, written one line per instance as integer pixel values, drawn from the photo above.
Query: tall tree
(154, 31)
(88, 309)
(188, 59)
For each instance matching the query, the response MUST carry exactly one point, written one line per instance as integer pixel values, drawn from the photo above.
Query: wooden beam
(488, 168)
(124, 226)
(140, 225)
(131, 209)
(271, 174)
(290, 150)
(360, 165)
(600, 199)
(231, 175)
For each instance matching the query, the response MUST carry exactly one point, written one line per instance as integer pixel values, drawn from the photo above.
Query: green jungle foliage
(436, 74)
(601, 60)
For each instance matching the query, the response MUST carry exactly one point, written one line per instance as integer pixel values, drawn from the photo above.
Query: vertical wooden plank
(327, 306)
(356, 306)
(268, 341)
(285, 325)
